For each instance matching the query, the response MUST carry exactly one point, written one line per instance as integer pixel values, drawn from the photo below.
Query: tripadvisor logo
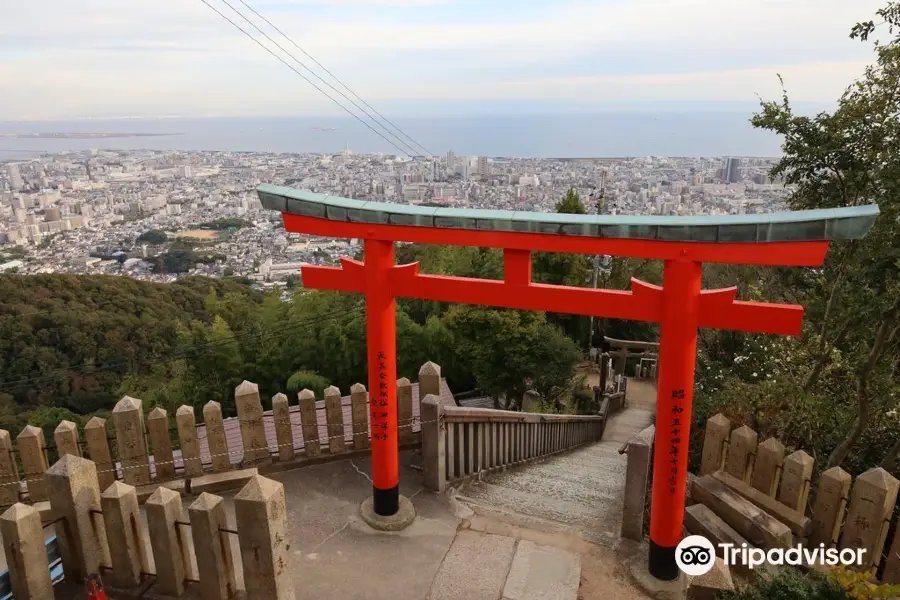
(696, 555)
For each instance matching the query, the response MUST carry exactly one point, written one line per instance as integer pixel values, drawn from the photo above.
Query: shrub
(308, 380)
(789, 584)
(859, 586)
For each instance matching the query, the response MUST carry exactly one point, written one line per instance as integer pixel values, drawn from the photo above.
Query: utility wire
(335, 77)
(314, 74)
(91, 369)
(305, 78)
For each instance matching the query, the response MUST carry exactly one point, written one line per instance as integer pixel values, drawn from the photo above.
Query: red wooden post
(677, 357)
(381, 344)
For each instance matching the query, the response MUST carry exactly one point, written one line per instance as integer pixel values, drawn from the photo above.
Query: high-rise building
(52, 214)
(482, 168)
(15, 178)
(451, 160)
(733, 170)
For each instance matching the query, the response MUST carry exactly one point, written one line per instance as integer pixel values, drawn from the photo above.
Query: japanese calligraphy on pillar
(379, 401)
(675, 433)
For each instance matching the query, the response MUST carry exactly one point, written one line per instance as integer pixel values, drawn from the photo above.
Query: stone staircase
(579, 493)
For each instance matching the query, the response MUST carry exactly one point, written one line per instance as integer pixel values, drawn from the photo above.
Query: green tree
(303, 380)
(153, 236)
(571, 204)
(506, 348)
(563, 268)
(849, 157)
(214, 363)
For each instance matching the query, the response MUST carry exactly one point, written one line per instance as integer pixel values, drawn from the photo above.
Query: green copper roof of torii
(794, 226)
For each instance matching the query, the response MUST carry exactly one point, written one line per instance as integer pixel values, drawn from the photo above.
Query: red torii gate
(680, 305)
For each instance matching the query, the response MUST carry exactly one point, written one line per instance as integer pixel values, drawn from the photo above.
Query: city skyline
(80, 212)
(100, 58)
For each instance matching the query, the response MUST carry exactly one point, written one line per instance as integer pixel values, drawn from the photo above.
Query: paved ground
(579, 492)
(336, 555)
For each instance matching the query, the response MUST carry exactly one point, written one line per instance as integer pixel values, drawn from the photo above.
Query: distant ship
(325, 128)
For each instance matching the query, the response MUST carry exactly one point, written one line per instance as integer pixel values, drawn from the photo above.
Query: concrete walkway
(580, 492)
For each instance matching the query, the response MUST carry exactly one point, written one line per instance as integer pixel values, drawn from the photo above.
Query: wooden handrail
(492, 415)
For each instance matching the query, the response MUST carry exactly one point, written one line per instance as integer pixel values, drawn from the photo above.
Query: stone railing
(218, 452)
(637, 472)
(105, 534)
(843, 513)
(462, 442)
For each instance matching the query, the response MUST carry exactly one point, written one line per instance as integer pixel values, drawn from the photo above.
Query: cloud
(331, 3)
(106, 57)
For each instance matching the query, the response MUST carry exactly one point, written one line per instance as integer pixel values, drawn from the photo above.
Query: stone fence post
(284, 435)
(261, 516)
(715, 444)
(187, 439)
(309, 423)
(433, 443)
(34, 461)
(334, 420)
(872, 500)
(26, 555)
(74, 497)
(215, 437)
(9, 472)
(405, 410)
(640, 454)
(122, 519)
(741, 453)
(66, 438)
(831, 501)
(97, 442)
(359, 414)
(131, 441)
(215, 567)
(164, 508)
(429, 382)
(250, 415)
(161, 443)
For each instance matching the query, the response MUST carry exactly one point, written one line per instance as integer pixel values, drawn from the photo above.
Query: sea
(610, 134)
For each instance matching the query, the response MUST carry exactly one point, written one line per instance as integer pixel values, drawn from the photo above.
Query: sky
(63, 59)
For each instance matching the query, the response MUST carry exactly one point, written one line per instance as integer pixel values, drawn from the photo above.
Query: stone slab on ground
(800, 524)
(145, 491)
(701, 520)
(475, 568)
(542, 573)
(710, 585)
(759, 527)
(215, 483)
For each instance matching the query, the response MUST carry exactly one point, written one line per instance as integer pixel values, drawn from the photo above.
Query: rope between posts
(240, 452)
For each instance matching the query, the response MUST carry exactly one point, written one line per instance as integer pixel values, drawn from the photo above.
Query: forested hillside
(68, 341)
(71, 346)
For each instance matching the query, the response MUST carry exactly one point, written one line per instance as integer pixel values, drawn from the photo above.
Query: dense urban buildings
(159, 215)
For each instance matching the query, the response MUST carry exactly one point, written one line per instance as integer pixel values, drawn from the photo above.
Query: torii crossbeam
(680, 306)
